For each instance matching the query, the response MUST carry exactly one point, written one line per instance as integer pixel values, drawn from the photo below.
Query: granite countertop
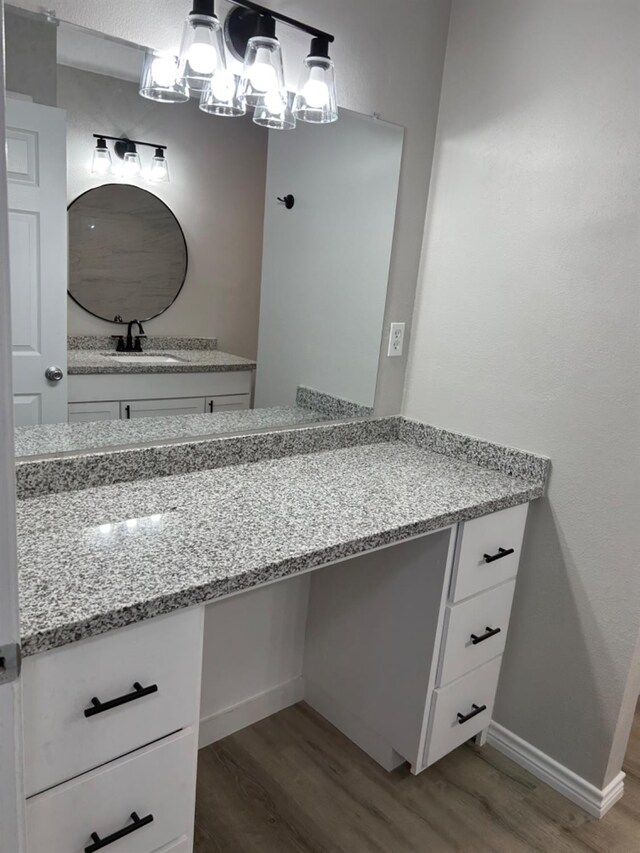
(56, 439)
(101, 558)
(91, 361)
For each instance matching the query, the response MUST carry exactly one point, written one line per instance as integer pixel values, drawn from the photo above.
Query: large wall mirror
(277, 316)
(127, 253)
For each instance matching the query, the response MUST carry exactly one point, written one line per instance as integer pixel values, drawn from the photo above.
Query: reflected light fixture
(202, 48)
(222, 96)
(316, 98)
(127, 152)
(101, 163)
(159, 171)
(263, 73)
(277, 115)
(160, 81)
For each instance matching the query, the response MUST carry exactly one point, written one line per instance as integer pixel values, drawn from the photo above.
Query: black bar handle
(502, 552)
(491, 632)
(477, 709)
(97, 707)
(99, 843)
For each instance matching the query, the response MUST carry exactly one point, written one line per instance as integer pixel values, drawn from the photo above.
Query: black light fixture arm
(285, 19)
(125, 139)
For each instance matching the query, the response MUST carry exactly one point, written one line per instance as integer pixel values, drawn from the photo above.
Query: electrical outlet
(396, 339)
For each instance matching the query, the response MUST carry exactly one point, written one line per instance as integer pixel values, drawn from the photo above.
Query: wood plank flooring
(294, 784)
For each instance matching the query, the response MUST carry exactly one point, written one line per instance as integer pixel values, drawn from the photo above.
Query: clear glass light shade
(316, 100)
(159, 169)
(101, 163)
(276, 114)
(263, 74)
(160, 81)
(201, 51)
(221, 97)
(130, 165)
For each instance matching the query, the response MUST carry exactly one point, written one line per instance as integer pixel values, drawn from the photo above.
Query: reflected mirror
(127, 253)
(276, 319)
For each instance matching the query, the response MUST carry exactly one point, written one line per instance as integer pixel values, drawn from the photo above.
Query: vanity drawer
(58, 687)
(488, 551)
(475, 631)
(446, 730)
(157, 781)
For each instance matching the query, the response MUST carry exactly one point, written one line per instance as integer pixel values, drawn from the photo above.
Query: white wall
(389, 60)
(326, 261)
(218, 172)
(526, 333)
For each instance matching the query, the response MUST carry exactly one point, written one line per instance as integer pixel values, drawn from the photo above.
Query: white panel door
(11, 779)
(36, 175)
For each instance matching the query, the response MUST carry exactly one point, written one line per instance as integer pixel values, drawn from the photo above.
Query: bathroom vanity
(411, 539)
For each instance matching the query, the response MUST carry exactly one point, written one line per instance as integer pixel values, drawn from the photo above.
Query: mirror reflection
(212, 275)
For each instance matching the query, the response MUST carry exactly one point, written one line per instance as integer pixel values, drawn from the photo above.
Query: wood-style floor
(294, 783)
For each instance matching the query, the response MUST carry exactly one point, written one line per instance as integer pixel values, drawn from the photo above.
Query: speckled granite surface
(107, 342)
(88, 361)
(101, 558)
(332, 407)
(83, 470)
(56, 439)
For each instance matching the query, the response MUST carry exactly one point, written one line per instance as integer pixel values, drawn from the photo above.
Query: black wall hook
(288, 201)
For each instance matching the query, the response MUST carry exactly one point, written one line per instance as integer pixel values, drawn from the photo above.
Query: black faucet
(137, 347)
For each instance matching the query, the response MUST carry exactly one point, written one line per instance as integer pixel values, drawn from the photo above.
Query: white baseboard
(595, 801)
(250, 711)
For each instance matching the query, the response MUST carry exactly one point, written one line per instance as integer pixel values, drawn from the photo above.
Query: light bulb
(273, 102)
(223, 85)
(131, 165)
(159, 170)
(262, 74)
(202, 57)
(101, 163)
(164, 71)
(316, 92)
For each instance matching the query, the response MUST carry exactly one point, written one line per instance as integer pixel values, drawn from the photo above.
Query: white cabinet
(142, 801)
(96, 397)
(130, 409)
(91, 412)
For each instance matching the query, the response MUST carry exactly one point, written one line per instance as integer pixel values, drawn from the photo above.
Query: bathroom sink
(147, 359)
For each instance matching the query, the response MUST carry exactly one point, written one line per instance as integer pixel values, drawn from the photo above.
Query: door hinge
(10, 662)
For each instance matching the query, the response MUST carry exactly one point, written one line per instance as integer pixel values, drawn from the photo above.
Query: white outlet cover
(396, 340)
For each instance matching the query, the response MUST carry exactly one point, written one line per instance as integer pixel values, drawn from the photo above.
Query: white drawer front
(475, 631)
(61, 742)
(180, 845)
(488, 537)
(446, 732)
(158, 780)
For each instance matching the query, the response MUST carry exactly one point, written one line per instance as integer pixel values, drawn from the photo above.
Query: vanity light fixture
(202, 49)
(160, 81)
(250, 35)
(262, 82)
(127, 152)
(316, 98)
(159, 171)
(101, 163)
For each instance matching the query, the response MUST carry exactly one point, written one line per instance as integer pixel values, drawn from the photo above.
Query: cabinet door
(227, 403)
(89, 412)
(157, 408)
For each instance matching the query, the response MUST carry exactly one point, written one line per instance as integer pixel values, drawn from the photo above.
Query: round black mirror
(127, 253)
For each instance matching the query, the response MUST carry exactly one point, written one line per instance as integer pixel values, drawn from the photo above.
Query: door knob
(54, 374)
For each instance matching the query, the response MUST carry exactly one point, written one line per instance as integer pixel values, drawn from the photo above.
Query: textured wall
(30, 58)
(526, 332)
(389, 60)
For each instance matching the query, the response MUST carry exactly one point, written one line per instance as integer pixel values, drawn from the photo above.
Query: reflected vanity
(253, 313)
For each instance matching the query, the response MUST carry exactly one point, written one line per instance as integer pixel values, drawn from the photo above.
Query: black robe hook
(288, 201)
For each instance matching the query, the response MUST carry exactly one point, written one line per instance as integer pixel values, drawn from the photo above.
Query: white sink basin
(147, 359)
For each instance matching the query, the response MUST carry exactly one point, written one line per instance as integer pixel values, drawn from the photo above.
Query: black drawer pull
(477, 709)
(99, 843)
(491, 632)
(97, 707)
(502, 552)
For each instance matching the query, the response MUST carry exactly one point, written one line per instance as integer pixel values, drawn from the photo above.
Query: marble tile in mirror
(280, 318)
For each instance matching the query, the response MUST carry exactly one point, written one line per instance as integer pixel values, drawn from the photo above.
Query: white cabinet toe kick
(401, 651)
